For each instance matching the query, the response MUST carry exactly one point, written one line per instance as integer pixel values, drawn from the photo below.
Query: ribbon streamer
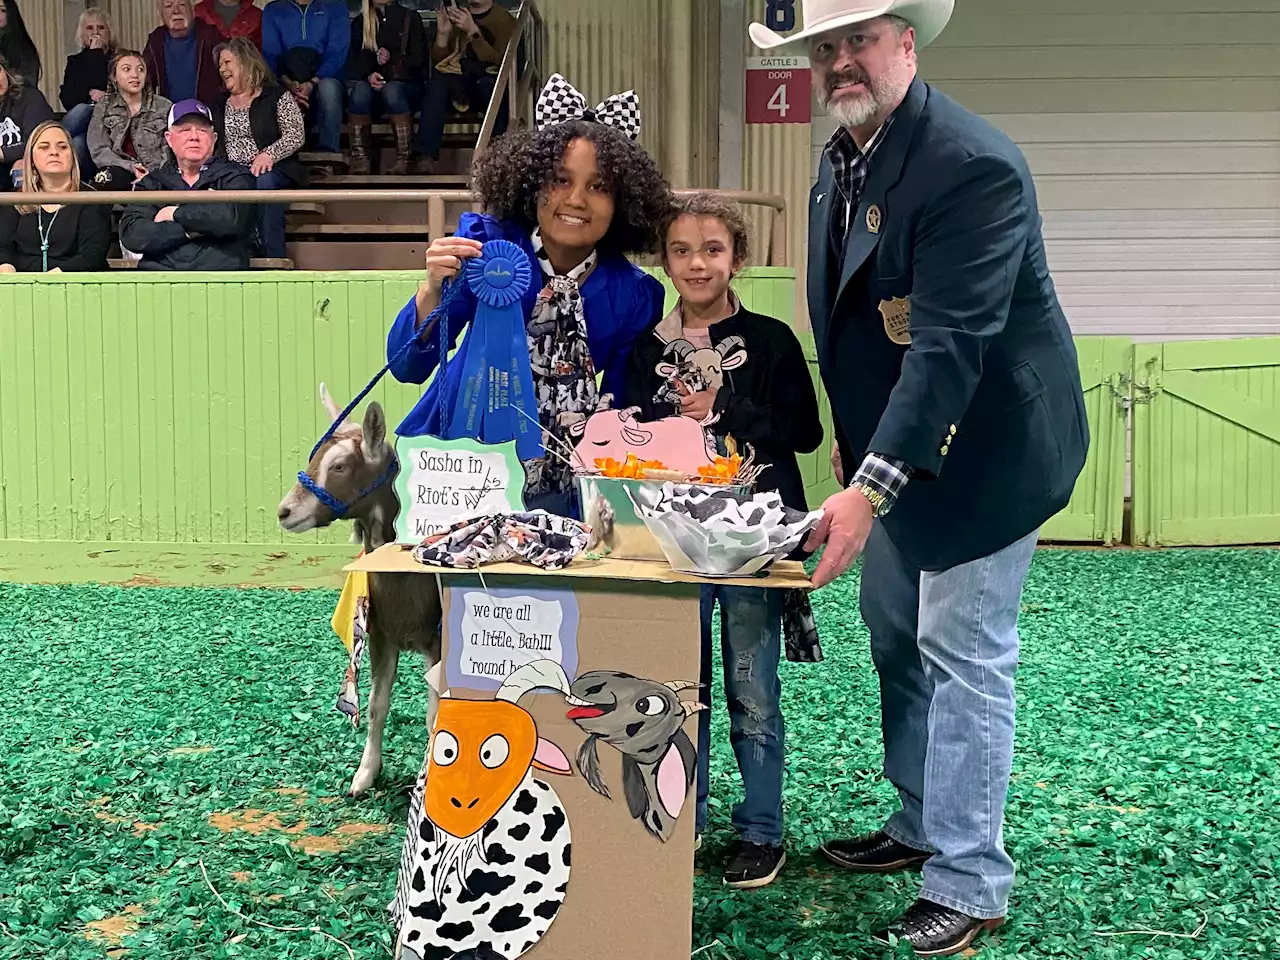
(497, 379)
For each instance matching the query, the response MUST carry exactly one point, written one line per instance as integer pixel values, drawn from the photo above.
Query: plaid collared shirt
(882, 477)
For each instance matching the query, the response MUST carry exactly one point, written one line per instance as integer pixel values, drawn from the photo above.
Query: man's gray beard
(883, 94)
(854, 113)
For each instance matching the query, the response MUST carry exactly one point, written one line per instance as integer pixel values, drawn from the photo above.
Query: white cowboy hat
(928, 17)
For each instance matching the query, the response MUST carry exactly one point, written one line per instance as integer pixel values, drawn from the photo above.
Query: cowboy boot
(358, 162)
(402, 123)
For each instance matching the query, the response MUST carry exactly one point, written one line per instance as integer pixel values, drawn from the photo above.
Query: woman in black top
(259, 126)
(53, 238)
(84, 81)
(16, 46)
(384, 71)
(22, 109)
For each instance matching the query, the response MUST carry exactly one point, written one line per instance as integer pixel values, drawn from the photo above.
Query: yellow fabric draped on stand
(355, 587)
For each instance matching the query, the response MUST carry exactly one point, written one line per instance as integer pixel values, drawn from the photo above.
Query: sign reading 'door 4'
(444, 481)
(778, 90)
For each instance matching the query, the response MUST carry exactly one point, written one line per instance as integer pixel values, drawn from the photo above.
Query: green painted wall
(158, 408)
(178, 408)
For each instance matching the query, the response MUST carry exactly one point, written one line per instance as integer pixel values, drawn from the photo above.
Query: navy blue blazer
(984, 402)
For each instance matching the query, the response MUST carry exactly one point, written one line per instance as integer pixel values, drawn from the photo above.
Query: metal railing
(511, 83)
(435, 203)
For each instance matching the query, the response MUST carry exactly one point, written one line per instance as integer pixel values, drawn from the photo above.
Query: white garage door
(1153, 131)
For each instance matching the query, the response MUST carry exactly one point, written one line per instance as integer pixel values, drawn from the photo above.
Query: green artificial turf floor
(147, 728)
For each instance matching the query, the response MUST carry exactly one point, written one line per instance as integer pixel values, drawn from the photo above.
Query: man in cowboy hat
(960, 421)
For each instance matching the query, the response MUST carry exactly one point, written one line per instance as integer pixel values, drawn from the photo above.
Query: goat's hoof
(362, 782)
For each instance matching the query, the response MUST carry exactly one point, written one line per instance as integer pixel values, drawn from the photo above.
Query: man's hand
(844, 528)
(262, 163)
(165, 215)
(376, 81)
(695, 405)
(384, 56)
(837, 468)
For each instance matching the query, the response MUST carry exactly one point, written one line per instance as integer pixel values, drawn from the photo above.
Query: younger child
(748, 370)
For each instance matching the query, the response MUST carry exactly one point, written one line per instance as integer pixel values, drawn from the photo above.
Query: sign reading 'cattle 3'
(777, 90)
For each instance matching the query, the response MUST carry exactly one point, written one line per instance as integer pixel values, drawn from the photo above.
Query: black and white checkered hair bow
(560, 102)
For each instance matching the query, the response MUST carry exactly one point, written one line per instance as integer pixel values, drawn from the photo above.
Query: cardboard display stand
(624, 731)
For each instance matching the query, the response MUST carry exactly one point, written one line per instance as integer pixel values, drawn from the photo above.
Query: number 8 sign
(777, 90)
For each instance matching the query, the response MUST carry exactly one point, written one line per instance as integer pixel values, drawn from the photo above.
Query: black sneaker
(754, 865)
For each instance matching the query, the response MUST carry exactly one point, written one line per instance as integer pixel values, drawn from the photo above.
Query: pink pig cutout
(679, 443)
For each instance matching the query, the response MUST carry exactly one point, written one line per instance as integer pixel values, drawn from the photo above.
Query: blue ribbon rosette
(493, 401)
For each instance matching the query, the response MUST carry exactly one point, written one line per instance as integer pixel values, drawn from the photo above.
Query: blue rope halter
(449, 292)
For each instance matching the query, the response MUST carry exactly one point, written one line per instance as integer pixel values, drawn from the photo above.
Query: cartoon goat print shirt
(692, 359)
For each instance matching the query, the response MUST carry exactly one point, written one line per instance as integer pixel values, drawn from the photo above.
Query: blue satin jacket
(620, 300)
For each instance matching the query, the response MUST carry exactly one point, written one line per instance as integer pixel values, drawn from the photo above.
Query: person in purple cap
(197, 236)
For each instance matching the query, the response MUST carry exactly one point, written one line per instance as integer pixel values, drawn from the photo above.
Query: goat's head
(347, 465)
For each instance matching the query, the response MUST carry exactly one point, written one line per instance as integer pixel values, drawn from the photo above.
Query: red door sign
(778, 90)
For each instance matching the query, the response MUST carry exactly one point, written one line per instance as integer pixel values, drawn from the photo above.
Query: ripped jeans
(750, 644)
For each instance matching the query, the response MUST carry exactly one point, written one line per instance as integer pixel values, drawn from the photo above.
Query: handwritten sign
(494, 631)
(444, 481)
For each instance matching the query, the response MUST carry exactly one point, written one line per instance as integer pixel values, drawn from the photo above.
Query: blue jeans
(394, 98)
(325, 113)
(271, 216)
(750, 644)
(945, 645)
(76, 120)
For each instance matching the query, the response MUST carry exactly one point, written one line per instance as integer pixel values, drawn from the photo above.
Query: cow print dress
(513, 890)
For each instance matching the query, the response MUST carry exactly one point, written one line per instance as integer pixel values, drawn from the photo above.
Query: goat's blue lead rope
(449, 293)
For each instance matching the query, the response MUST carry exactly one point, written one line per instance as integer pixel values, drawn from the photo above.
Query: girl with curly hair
(577, 194)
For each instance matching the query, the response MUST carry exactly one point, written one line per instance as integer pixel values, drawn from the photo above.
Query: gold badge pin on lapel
(897, 319)
(873, 219)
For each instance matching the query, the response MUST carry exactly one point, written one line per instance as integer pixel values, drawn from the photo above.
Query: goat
(404, 608)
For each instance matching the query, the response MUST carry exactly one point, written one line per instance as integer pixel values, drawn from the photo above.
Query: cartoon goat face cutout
(701, 368)
(487, 853)
(643, 720)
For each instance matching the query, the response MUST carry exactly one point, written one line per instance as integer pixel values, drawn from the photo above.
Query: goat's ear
(375, 428)
(329, 405)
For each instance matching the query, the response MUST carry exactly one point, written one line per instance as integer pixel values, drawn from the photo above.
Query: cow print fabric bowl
(720, 533)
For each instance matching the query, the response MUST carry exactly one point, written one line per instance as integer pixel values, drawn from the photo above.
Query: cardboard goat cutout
(643, 720)
(485, 864)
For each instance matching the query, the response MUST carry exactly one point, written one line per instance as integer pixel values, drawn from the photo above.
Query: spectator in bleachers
(232, 18)
(127, 130)
(179, 55)
(305, 43)
(470, 39)
(84, 81)
(388, 50)
(194, 236)
(53, 238)
(22, 109)
(259, 126)
(16, 46)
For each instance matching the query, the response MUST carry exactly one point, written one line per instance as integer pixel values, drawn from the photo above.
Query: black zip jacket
(767, 399)
(201, 236)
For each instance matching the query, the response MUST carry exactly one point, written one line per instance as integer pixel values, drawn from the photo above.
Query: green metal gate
(1206, 442)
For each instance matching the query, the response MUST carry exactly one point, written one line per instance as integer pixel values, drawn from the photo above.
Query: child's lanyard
(44, 236)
